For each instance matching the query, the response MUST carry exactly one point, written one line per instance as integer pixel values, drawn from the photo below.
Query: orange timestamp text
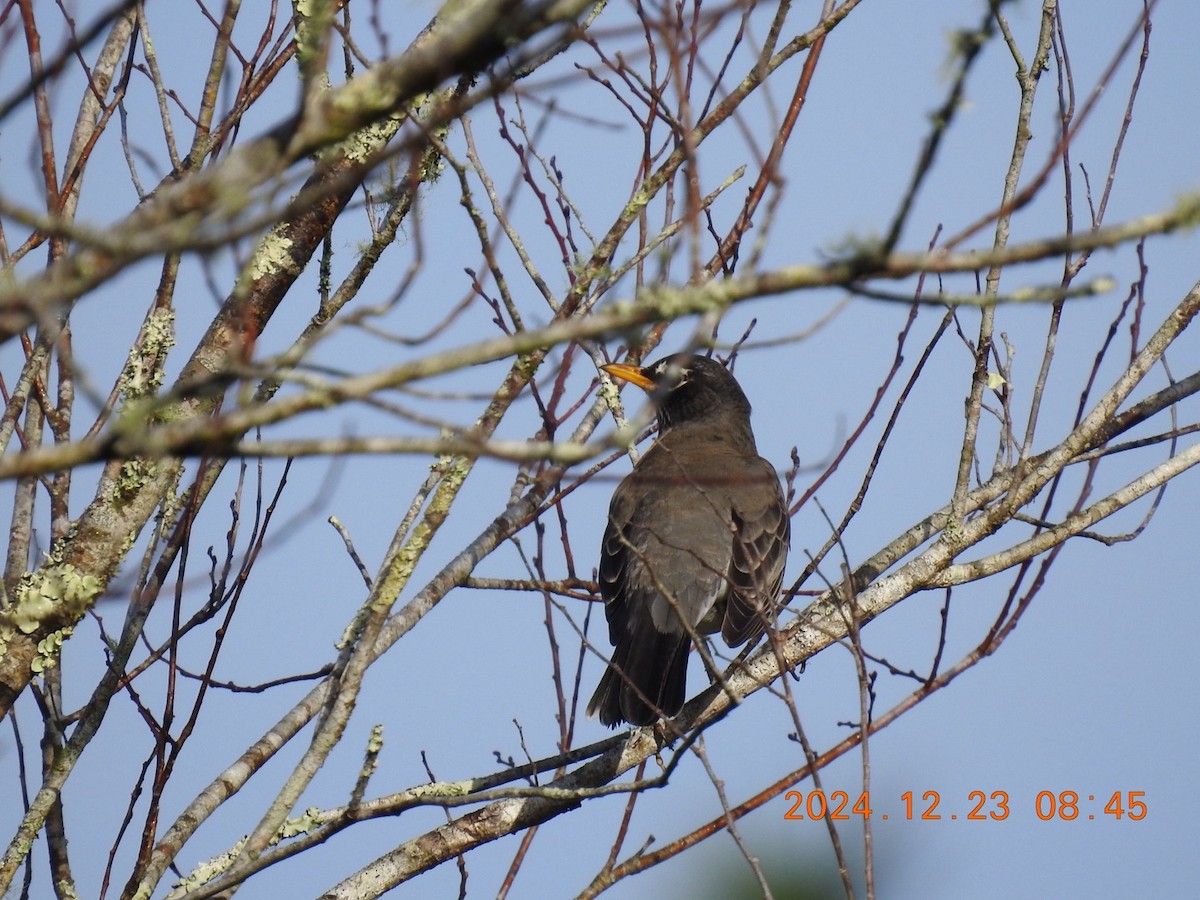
(980, 806)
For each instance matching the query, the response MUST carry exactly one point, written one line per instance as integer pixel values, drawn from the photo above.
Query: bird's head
(687, 389)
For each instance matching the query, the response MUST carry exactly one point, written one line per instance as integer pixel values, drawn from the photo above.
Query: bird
(695, 543)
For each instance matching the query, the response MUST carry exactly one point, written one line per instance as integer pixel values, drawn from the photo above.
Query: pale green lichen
(172, 503)
(454, 471)
(208, 870)
(366, 142)
(440, 789)
(143, 374)
(312, 818)
(159, 332)
(211, 868)
(7, 633)
(56, 590)
(134, 475)
(432, 169)
(952, 533)
(127, 544)
(48, 649)
(375, 741)
(273, 254)
(347, 635)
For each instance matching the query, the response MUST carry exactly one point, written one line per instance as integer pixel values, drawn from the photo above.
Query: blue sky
(1089, 694)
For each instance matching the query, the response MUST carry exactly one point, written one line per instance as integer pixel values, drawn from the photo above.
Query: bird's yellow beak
(633, 374)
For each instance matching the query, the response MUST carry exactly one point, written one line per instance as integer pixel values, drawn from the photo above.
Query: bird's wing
(614, 560)
(651, 576)
(665, 554)
(762, 531)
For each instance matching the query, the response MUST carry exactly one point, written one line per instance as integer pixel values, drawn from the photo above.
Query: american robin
(696, 539)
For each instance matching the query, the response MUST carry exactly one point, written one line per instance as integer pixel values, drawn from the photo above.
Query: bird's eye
(670, 375)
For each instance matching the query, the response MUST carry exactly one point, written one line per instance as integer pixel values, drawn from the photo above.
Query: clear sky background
(1093, 693)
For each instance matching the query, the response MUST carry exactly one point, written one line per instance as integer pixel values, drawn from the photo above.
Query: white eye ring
(664, 367)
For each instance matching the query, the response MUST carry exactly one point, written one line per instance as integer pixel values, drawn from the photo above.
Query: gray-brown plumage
(697, 534)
